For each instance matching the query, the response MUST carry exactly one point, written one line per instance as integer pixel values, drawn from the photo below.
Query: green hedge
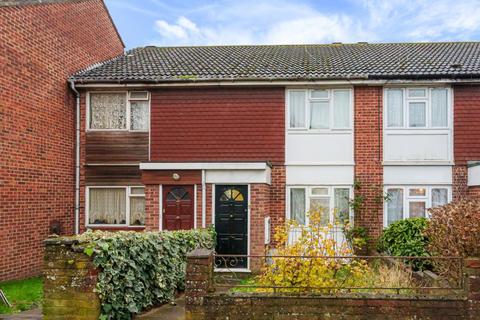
(141, 269)
(406, 238)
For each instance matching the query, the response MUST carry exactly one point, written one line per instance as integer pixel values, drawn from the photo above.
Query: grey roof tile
(290, 62)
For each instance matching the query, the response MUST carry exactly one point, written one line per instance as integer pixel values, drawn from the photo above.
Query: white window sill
(240, 270)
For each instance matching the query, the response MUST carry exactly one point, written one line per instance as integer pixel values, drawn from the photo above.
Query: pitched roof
(290, 62)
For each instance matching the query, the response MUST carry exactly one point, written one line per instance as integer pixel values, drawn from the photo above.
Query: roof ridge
(360, 43)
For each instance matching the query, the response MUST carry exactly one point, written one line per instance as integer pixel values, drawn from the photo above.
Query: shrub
(405, 238)
(289, 269)
(454, 230)
(141, 269)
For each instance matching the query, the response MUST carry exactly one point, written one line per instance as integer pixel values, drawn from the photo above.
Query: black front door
(231, 224)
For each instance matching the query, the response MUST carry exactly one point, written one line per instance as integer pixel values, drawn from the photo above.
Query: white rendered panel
(319, 175)
(324, 148)
(413, 175)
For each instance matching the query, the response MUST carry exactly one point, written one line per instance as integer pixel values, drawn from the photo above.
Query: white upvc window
(417, 108)
(413, 201)
(114, 111)
(333, 199)
(319, 109)
(115, 206)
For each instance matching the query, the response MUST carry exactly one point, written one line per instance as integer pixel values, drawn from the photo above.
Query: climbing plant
(141, 269)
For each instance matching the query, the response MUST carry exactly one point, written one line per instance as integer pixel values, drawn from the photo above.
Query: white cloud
(288, 22)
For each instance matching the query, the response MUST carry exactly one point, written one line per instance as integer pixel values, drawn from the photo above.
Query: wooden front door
(178, 207)
(231, 224)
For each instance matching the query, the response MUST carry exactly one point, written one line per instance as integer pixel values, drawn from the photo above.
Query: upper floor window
(319, 109)
(119, 111)
(417, 108)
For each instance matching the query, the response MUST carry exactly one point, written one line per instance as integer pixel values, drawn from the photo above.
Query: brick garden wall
(40, 46)
(69, 282)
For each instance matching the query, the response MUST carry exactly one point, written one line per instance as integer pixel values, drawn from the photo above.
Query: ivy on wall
(138, 270)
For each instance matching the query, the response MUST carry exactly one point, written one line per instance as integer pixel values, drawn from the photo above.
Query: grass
(22, 294)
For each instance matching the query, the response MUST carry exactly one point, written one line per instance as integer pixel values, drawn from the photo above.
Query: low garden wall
(114, 275)
(203, 301)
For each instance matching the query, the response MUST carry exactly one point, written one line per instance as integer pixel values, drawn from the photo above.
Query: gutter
(373, 82)
(77, 156)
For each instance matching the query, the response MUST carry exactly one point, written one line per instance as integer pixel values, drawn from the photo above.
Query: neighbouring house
(42, 42)
(243, 137)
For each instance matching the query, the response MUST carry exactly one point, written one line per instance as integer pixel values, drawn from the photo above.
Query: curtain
(323, 205)
(417, 209)
(395, 108)
(439, 197)
(439, 108)
(417, 114)
(139, 115)
(319, 115)
(297, 205)
(341, 198)
(108, 111)
(341, 109)
(107, 206)
(137, 211)
(297, 109)
(394, 205)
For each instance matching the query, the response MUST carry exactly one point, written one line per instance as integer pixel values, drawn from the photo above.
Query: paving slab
(167, 311)
(35, 314)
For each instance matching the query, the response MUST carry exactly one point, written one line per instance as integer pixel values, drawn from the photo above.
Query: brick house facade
(40, 46)
(245, 156)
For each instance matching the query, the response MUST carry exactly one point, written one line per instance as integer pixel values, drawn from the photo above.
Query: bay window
(322, 109)
(413, 201)
(118, 111)
(116, 206)
(417, 108)
(332, 201)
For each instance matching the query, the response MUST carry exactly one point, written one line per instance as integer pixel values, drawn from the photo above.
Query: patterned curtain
(107, 206)
(139, 115)
(108, 111)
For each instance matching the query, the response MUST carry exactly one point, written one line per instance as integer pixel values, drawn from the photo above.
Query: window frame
(427, 99)
(307, 110)
(309, 196)
(407, 198)
(127, 110)
(128, 195)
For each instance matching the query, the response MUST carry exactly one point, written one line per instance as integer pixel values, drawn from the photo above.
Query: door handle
(231, 216)
(178, 217)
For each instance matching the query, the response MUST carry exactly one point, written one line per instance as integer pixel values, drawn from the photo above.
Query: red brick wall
(225, 124)
(259, 210)
(459, 181)
(40, 46)
(277, 197)
(368, 157)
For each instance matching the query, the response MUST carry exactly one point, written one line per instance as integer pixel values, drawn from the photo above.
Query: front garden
(414, 256)
(122, 274)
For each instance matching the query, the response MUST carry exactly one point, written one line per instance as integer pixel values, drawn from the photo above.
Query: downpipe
(77, 157)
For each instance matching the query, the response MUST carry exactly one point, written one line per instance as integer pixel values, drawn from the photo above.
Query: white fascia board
(79, 84)
(204, 166)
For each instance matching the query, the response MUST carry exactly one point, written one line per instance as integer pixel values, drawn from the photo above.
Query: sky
(196, 22)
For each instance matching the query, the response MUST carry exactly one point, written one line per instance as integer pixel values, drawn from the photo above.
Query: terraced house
(243, 137)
